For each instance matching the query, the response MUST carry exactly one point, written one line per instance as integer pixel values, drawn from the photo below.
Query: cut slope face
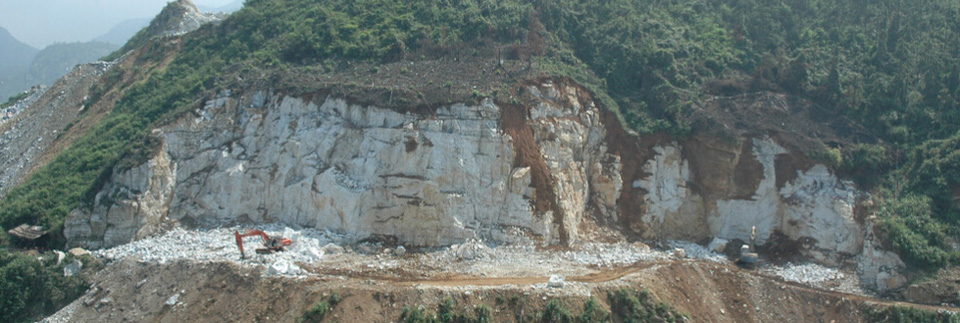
(539, 170)
(426, 180)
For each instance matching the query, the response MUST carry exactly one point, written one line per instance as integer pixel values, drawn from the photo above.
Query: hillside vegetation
(889, 65)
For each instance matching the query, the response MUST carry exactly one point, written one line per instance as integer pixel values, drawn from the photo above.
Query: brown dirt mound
(707, 292)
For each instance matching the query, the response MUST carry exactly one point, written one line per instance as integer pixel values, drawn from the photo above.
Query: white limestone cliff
(427, 180)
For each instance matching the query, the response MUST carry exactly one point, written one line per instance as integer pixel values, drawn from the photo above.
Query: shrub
(630, 305)
(32, 288)
(907, 223)
(447, 313)
(318, 311)
(593, 312)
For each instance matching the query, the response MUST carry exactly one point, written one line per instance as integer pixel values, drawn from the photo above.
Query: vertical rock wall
(426, 180)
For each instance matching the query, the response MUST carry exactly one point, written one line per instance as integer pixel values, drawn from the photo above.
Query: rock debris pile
(696, 251)
(220, 245)
(12, 111)
(616, 254)
(807, 273)
(474, 257)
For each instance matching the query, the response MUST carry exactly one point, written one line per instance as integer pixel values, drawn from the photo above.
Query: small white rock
(173, 300)
(73, 268)
(556, 281)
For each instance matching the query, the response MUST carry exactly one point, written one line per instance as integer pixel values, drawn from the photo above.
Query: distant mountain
(13, 52)
(50, 64)
(56, 60)
(15, 58)
(228, 8)
(123, 31)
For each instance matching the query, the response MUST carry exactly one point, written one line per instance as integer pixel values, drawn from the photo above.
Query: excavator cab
(271, 244)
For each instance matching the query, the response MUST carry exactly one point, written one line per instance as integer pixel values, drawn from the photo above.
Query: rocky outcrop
(427, 180)
(814, 207)
(879, 269)
(811, 212)
(132, 205)
(178, 18)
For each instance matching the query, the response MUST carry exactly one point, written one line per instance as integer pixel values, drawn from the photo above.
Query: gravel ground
(475, 258)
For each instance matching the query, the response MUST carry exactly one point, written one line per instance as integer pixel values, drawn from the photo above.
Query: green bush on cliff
(909, 225)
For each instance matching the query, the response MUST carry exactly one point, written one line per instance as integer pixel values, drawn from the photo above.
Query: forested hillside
(889, 65)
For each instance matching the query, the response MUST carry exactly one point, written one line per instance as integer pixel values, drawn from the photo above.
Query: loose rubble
(219, 245)
(312, 248)
(818, 276)
(696, 251)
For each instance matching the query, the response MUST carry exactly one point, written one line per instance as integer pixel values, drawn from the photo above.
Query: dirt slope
(217, 291)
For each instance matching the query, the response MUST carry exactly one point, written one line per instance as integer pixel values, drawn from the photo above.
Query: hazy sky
(39, 23)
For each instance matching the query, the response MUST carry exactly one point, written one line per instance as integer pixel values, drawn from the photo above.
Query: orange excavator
(271, 244)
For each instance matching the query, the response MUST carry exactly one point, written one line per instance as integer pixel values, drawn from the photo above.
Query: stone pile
(608, 255)
(219, 244)
(693, 250)
(808, 273)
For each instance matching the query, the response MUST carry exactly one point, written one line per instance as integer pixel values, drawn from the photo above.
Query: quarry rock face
(427, 180)
(539, 170)
(131, 206)
(815, 206)
(812, 211)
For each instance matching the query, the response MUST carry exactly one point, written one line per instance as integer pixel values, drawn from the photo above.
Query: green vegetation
(903, 314)
(318, 311)
(631, 305)
(32, 288)
(909, 225)
(919, 217)
(447, 313)
(627, 305)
